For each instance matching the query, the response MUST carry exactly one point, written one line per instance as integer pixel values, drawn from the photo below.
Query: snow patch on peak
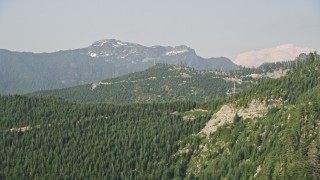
(175, 52)
(93, 54)
(101, 42)
(121, 43)
(113, 42)
(115, 45)
(118, 44)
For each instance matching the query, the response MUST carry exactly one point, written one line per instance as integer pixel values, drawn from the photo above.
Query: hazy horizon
(237, 30)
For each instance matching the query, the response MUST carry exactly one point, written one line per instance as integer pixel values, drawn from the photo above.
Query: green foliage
(67, 140)
(100, 141)
(270, 67)
(161, 83)
(236, 118)
(282, 145)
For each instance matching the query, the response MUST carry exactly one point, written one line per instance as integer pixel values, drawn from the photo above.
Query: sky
(244, 31)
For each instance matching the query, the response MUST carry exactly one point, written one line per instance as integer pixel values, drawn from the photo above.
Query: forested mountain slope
(164, 83)
(283, 143)
(49, 137)
(45, 137)
(161, 83)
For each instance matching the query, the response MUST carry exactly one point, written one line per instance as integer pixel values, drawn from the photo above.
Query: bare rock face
(255, 109)
(228, 112)
(224, 115)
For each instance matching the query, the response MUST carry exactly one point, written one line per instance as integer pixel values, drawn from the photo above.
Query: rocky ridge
(227, 113)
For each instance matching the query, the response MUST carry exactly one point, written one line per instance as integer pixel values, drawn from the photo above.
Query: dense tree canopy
(48, 137)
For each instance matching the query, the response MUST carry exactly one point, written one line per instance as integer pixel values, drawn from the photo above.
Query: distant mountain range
(23, 72)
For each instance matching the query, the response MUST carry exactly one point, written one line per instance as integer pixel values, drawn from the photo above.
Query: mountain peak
(113, 50)
(107, 47)
(110, 47)
(112, 42)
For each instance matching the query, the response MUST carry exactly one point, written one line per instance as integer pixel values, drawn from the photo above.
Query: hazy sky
(211, 27)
